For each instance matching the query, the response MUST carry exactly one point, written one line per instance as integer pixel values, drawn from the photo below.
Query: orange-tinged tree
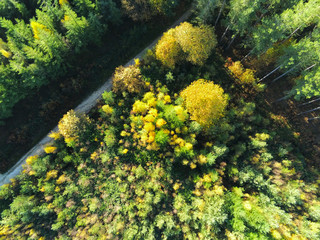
(205, 101)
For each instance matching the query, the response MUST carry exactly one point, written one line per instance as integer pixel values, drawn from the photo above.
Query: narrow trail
(84, 107)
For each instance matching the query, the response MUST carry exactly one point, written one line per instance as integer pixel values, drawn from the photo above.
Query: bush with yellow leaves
(205, 101)
(72, 125)
(127, 79)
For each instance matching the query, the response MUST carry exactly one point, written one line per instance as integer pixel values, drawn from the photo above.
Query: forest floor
(36, 115)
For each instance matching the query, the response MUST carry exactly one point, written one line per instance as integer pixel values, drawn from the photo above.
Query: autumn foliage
(243, 75)
(127, 79)
(72, 124)
(186, 42)
(205, 101)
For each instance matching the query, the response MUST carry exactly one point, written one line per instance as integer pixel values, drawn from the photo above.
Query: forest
(187, 144)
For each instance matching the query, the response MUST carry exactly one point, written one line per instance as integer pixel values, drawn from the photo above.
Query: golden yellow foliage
(62, 2)
(55, 135)
(37, 28)
(52, 174)
(168, 50)
(50, 149)
(72, 124)
(205, 101)
(127, 79)
(31, 159)
(5, 53)
(188, 42)
(196, 42)
(243, 75)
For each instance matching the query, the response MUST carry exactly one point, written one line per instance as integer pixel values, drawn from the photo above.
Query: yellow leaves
(168, 50)
(205, 101)
(160, 122)
(188, 146)
(193, 165)
(31, 159)
(61, 179)
(107, 109)
(176, 186)
(167, 99)
(244, 76)
(55, 135)
(127, 79)
(37, 28)
(207, 178)
(51, 174)
(50, 149)
(125, 151)
(196, 42)
(94, 155)
(202, 159)
(149, 127)
(185, 42)
(140, 107)
(62, 2)
(149, 118)
(5, 53)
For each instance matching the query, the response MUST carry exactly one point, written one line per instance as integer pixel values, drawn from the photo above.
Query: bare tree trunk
(245, 57)
(312, 110)
(309, 119)
(308, 68)
(312, 101)
(225, 32)
(281, 99)
(282, 75)
(269, 73)
(234, 37)
(221, 9)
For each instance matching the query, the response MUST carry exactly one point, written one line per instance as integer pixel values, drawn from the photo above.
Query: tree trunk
(309, 119)
(308, 68)
(312, 110)
(221, 9)
(245, 57)
(282, 75)
(312, 101)
(269, 73)
(225, 32)
(281, 99)
(231, 41)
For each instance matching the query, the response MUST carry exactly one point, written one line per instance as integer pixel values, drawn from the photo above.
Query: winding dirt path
(85, 107)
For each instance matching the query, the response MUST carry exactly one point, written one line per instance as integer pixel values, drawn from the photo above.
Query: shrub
(205, 101)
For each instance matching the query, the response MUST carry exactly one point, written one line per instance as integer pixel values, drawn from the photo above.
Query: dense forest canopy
(184, 146)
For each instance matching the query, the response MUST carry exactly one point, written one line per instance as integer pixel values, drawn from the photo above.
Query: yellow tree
(205, 101)
(168, 50)
(72, 125)
(127, 79)
(194, 44)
